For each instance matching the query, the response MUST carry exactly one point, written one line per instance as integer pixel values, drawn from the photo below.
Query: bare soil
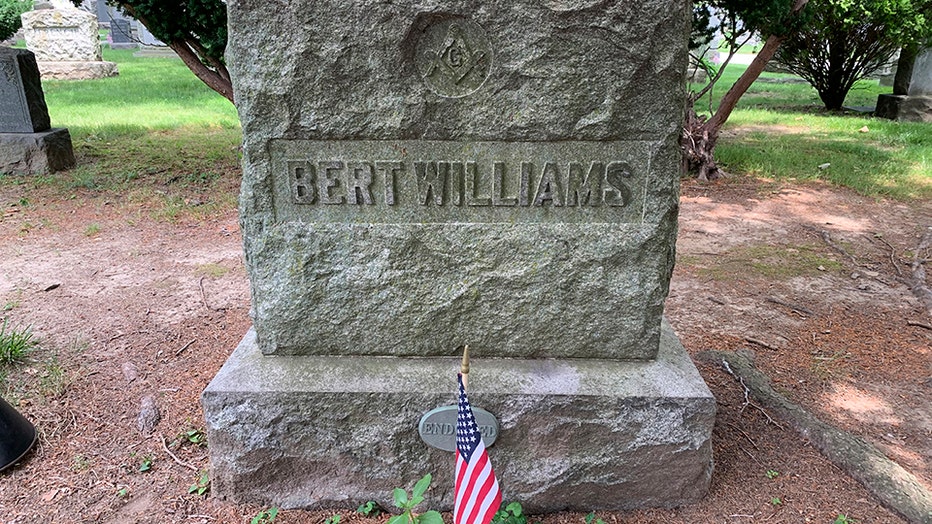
(127, 303)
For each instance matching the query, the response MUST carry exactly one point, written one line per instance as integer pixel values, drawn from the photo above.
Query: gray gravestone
(27, 143)
(121, 34)
(418, 176)
(22, 103)
(917, 105)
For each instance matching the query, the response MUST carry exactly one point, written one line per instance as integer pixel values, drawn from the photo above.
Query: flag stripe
(480, 474)
(477, 495)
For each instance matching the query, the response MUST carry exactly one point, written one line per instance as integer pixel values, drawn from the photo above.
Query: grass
(781, 131)
(149, 94)
(155, 137)
(15, 343)
(768, 261)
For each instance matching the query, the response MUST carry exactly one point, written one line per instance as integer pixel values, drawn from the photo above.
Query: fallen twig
(761, 343)
(184, 347)
(717, 301)
(918, 324)
(744, 433)
(896, 266)
(794, 307)
(747, 398)
(175, 457)
(827, 238)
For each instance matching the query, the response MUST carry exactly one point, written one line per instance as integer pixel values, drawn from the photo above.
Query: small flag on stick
(477, 496)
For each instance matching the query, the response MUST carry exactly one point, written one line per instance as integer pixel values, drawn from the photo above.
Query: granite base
(36, 153)
(583, 435)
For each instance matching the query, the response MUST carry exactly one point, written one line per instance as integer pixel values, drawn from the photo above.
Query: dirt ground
(127, 303)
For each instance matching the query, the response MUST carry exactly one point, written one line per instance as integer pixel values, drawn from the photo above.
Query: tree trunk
(699, 137)
(215, 79)
(904, 69)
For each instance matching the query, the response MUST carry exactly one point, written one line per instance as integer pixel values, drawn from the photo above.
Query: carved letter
(303, 182)
(617, 193)
(456, 182)
(389, 171)
(329, 178)
(359, 176)
(430, 181)
(582, 187)
(549, 186)
(524, 188)
(472, 186)
(498, 186)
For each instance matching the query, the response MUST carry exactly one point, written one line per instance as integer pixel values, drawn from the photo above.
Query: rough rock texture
(916, 109)
(22, 102)
(562, 70)
(78, 70)
(575, 434)
(888, 106)
(36, 153)
(904, 108)
(62, 35)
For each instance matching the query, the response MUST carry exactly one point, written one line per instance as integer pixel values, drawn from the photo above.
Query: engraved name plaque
(438, 427)
(439, 181)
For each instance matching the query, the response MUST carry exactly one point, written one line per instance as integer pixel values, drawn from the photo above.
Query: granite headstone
(916, 106)
(422, 175)
(22, 102)
(66, 43)
(28, 144)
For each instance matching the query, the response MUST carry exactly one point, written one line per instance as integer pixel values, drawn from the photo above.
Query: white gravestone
(66, 43)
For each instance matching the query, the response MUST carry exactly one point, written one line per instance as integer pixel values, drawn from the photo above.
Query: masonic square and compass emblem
(454, 57)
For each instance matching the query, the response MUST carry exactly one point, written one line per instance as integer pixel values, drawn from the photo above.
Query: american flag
(477, 495)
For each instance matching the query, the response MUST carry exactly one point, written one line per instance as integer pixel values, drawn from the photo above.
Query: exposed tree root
(896, 488)
(917, 281)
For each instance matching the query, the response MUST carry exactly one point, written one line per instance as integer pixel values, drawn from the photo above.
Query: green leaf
(430, 517)
(421, 487)
(515, 508)
(401, 498)
(399, 519)
(415, 501)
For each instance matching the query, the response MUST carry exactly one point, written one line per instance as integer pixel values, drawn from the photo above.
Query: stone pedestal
(66, 44)
(36, 153)
(575, 434)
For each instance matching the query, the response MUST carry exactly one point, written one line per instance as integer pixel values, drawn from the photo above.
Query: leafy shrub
(9, 16)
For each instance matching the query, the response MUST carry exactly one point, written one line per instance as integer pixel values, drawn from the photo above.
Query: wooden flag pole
(464, 368)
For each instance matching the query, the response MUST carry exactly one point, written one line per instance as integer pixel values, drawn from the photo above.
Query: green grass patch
(772, 262)
(15, 343)
(211, 270)
(780, 131)
(149, 94)
(154, 136)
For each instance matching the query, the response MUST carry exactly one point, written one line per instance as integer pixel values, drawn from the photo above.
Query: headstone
(916, 106)
(66, 43)
(152, 46)
(121, 34)
(420, 176)
(27, 142)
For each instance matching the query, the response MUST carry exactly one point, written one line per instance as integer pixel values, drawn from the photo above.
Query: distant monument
(28, 144)
(916, 106)
(419, 176)
(65, 41)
